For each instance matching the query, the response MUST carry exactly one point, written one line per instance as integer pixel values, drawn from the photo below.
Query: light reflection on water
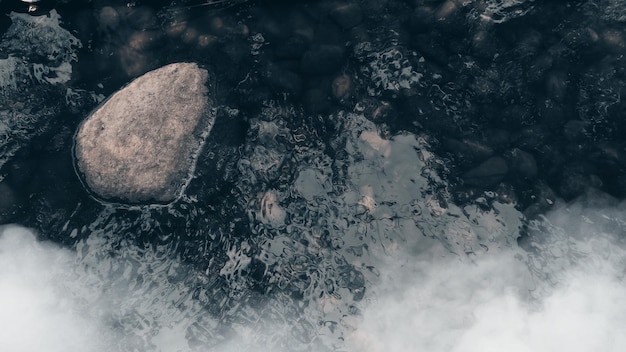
(359, 251)
(374, 265)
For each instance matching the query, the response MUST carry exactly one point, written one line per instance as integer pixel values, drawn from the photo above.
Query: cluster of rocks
(542, 108)
(523, 105)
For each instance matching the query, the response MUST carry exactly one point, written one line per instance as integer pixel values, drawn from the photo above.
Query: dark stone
(9, 204)
(486, 174)
(512, 116)
(329, 33)
(532, 137)
(422, 19)
(497, 139)
(322, 59)
(316, 101)
(574, 130)
(537, 200)
(576, 179)
(342, 87)
(283, 80)
(536, 71)
(552, 113)
(529, 43)
(145, 39)
(236, 50)
(142, 17)
(431, 45)
(609, 155)
(522, 163)
(450, 18)
(556, 85)
(573, 186)
(292, 48)
(614, 41)
(581, 38)
(347, 15)
(484, 45)
(468, 149)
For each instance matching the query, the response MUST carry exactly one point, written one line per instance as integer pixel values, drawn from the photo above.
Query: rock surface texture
(141, 145)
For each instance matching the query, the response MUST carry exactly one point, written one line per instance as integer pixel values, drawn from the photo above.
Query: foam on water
(352, 243)
(378, 262)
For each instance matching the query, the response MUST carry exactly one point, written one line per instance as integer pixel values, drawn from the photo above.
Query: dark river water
(383, 175)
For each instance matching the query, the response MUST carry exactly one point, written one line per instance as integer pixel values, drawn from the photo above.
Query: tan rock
(141, 145)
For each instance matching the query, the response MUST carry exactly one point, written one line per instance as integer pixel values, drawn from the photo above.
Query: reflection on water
(321, 216)
(378, 262)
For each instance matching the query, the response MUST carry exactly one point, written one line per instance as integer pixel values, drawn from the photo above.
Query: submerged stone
(141, 145)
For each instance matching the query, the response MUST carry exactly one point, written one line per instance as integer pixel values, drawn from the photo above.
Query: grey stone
(468, 149)
(574, 130)
(523, 163)
(347, 15)
(490, 172)
(141, 145)
(322, 59)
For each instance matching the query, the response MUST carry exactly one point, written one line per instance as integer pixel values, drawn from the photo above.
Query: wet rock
(468, 149)
(8, 202)
(134, 62)
(556, 85)
(486, 174)
(608, 155)
(539, 199)
(142, 17)
(513, 117)
(552, 114)
(283, 80)
(342, 86)
(497, 139)
(577, 179)
(532, 137)
(329, 33)
(144, 40)
(291, 48)
(322, 59)
(522, 163)
(422, 19)
(614, 41)
(537, 69)
(484, 45)
(431, 45)
(574, 130)
(347, 15)
(581, 38)
(141, 144)
(573, 186)
(316, 101)
(447, 13)
(530, 43)
(108, 18)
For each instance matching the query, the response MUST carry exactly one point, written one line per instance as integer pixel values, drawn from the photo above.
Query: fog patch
(38, 309)
(563, 294)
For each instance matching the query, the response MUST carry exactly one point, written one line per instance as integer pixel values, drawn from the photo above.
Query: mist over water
(351, 240)
(408, 269)
(510, 300)
(38, 305)
(564, 294)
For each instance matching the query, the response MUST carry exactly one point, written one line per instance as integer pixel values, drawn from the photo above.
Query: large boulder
(141, 145)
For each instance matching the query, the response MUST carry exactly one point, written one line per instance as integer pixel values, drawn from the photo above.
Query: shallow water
(314, 221)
